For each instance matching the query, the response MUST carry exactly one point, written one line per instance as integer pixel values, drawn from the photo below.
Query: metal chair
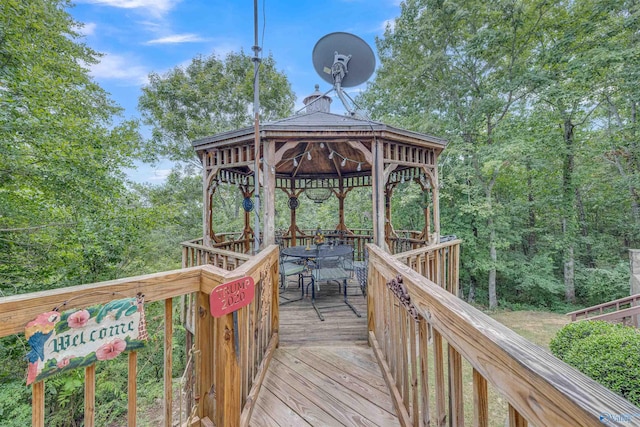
(290, 266)
(328, 268)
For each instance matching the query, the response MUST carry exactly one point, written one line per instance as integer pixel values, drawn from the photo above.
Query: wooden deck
(324, 373)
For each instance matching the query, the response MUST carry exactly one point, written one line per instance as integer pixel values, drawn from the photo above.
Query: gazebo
(319, 153)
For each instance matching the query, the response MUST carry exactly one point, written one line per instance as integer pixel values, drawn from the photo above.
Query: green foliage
(608, 354)
(573, 333)
(208, 96)
(597, 285)
(15, 404)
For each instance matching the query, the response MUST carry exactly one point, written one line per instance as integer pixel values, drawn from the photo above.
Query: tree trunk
(493, 253)
(569, 206)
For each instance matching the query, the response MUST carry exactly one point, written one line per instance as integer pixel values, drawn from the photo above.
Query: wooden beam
(279, 154)
(17, 310)
(359, 146)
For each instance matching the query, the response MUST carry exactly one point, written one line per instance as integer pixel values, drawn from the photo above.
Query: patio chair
(328, 268)
(290, 266)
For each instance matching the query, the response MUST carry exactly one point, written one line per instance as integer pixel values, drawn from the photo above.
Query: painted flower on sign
(64, 362)
(78, 319)
(111, 349)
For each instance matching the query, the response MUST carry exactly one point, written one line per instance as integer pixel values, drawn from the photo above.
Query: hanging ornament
(293, 203)
(247, 204)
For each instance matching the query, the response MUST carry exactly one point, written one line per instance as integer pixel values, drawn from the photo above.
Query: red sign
(231, 296)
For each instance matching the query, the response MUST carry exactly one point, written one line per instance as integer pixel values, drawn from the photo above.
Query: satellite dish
(344, 60)
(345, 57)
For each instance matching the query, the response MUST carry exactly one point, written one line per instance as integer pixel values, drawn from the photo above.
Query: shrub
(608, 353)
(612, 359)
(573, 333)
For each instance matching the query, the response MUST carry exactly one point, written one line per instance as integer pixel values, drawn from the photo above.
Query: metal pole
(256, 114)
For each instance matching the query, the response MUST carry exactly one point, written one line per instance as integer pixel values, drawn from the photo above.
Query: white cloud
(391, 23)
(177, 38)
(88, 28)
(154, 7)
(118, 67)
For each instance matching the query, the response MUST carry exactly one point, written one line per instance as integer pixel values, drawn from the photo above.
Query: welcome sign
(79, 338)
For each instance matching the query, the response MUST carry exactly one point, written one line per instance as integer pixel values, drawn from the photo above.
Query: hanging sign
(77, 338)
(231, 296)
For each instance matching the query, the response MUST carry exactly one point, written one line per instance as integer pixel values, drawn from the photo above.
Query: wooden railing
(194, 253)
(438, 353)
(624, 310)
(438, 263)
(232, 358)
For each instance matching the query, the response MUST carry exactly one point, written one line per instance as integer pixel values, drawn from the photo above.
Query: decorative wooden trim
(401, 293)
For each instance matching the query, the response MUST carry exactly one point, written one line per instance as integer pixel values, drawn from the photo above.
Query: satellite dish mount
(344, 60)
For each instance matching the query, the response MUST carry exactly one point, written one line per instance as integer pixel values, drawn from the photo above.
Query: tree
(458, 68)
(208, 96)
(578, 64)
(60, 156)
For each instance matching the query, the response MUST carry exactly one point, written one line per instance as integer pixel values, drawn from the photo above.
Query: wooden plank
(456, 401)
(273, 408)
(615, 315)
(245, 416)
(480, 401)
(37, 404)
(413, 372)
(403, 415)
(331, 400)
(168, 362)
(341, 374)
(227, 375)
(18, 310)
(438, 366)
(90, 395)
(132, 397)
(424, 371)
(515, 419)
(297, 402)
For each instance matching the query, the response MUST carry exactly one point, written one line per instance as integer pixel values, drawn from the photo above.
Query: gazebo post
(436, 206)
(269, 178)
(377, 189)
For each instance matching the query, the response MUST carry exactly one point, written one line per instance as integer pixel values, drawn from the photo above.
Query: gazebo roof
(319, 125)
(319, 145)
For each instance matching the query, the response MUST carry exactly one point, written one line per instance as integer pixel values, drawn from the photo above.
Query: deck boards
(323, 374)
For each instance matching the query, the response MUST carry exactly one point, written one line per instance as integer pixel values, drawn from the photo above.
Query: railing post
(206, 343)
(227, 375)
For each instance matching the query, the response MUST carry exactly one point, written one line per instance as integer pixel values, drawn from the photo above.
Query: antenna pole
(256, 114)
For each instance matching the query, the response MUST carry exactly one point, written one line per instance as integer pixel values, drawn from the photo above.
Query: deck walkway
(324, 374)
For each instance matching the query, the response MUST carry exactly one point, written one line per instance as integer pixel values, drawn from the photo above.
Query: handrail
(539, 388)
(600, 309)
(237, 375)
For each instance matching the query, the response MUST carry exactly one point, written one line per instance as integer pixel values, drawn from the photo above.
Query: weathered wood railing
(233, 368)
(410, 316)
(195, 253)
(625, 310)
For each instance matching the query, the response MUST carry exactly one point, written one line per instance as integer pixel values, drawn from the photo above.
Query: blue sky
(137, 37)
